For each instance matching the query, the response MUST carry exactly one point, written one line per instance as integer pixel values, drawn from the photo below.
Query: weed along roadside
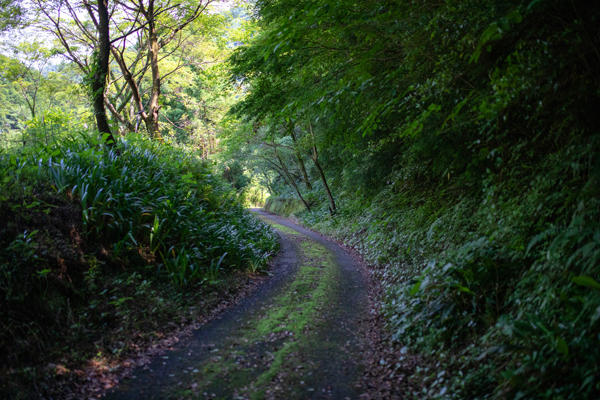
(298, 336)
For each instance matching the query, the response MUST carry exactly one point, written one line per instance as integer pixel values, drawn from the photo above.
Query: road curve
(298, 336)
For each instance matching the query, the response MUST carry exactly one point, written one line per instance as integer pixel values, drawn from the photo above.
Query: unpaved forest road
(297, 337)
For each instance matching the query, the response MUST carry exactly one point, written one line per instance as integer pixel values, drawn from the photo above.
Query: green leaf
(464, 289)
(42, 273)
(587, 281)
(415, 288)
(562, 347)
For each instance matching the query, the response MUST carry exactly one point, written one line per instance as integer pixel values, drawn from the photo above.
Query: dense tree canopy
(456, 79)
(461, 139)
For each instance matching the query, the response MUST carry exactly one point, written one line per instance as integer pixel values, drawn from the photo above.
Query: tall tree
(288, 176)
(26, 71)
(145, 33)
(162, 25)
(100, 71)
(315, 158)
(298, 153)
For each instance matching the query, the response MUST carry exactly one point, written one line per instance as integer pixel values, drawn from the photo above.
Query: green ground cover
(104, 249)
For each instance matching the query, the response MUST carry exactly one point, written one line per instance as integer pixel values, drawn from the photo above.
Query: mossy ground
(268, 352)
(298, 336)
(281, 228)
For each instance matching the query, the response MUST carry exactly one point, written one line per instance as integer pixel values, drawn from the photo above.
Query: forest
(450, 146)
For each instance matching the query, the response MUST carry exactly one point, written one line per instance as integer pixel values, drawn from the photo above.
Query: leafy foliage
(186, 217)
(462, 141)
(98, 240)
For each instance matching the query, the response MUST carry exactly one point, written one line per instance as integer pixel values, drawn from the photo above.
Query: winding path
(297, 337)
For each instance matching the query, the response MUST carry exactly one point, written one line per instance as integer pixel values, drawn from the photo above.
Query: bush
(99, 246)
(149, 200)
(498, 282)
(284, 205)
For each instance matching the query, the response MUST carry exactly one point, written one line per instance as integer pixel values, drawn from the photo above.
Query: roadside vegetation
(455, 145)
(104, 249)
(111, 242)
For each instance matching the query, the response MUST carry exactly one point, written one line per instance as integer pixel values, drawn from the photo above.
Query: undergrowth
(282, 205)
(100, 246)
(498, 287)
(468, 169)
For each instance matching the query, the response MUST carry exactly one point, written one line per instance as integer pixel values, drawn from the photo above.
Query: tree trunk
(299, 157)
(289, 178)
(315, 158)
(101, 71)
(128, 125)
(153, 106)
(267, 182)
(31, 106)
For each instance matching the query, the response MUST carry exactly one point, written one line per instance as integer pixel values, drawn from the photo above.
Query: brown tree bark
(143, 16)
(151, 119)
(65, 36)
(267, 182)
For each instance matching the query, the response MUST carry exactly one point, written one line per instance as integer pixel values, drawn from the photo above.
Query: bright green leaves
(11, 14)
(468, 129)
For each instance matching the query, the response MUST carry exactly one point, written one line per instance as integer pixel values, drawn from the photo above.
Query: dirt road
(297, 337)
